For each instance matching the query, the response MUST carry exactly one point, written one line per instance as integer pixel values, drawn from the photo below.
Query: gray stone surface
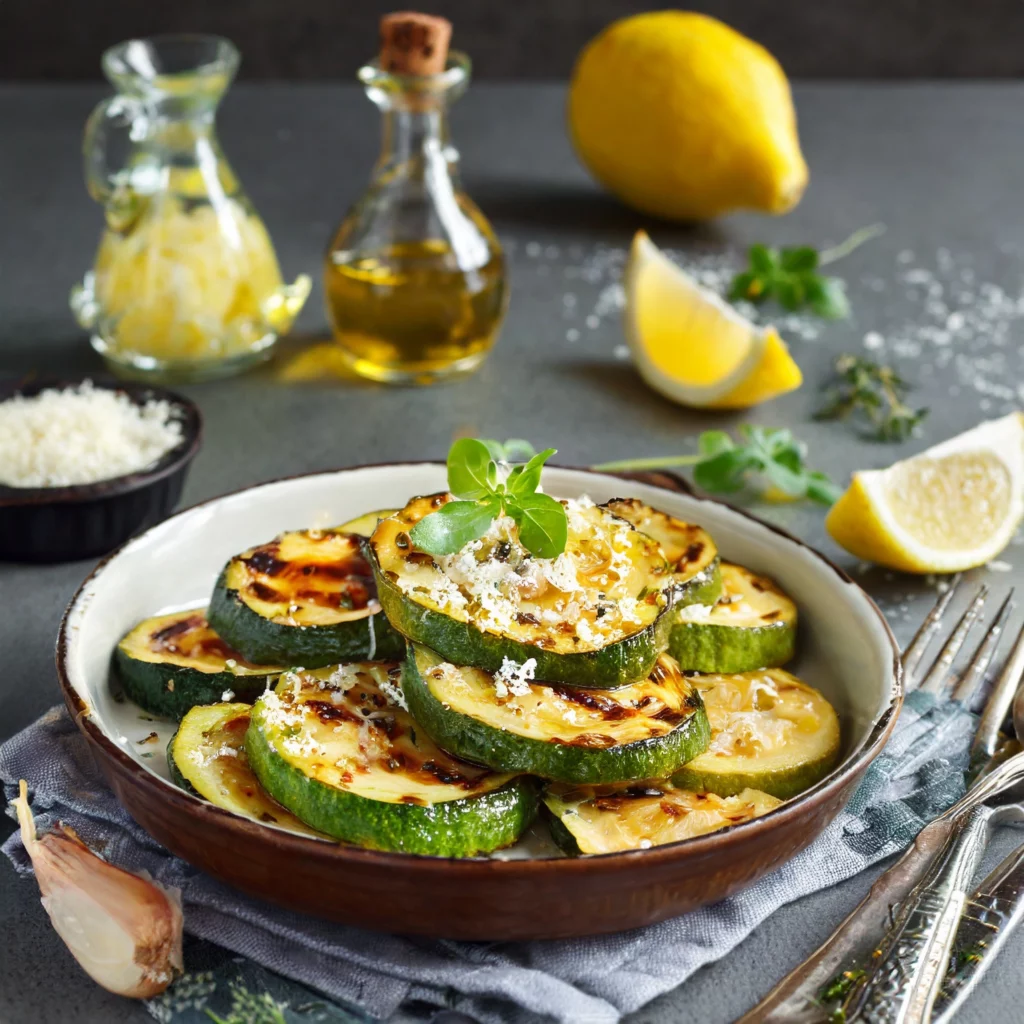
(939, 165)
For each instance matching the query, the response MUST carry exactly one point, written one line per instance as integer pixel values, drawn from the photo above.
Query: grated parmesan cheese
(514, 678)
(80, 436)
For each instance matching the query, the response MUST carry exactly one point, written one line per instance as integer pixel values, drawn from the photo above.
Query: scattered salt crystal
(572, 335)
(621, 352)
(227, 695)
(998, 566)
(593, 321)
(873, 340)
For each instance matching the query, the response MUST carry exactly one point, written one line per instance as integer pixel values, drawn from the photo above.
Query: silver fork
(930, 883)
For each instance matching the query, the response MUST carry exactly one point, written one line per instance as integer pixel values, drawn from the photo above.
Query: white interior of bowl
(844, 648)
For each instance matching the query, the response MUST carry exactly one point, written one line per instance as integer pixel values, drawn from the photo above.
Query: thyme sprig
(873, 395)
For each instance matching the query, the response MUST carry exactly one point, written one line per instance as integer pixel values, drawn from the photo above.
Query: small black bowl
(63, 524)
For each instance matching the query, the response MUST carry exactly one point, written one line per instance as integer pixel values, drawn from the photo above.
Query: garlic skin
(123, 929)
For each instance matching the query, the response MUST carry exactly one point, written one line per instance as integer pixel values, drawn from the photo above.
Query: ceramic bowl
(846, 650)
(62, 524)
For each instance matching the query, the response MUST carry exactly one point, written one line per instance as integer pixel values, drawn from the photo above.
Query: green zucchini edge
(453, 828)
(782, 783)
(146, 683)
(267, 643)
(475, 741)
(716, 649)
(617, 664)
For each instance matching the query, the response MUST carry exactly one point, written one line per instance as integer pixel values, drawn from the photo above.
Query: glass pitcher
(186, 284)
(415, 278)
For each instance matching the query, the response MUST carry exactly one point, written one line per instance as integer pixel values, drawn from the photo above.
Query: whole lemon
(682, 117)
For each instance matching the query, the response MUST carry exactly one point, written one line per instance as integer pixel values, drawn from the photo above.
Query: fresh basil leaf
(747, 285)
(790, 481)
(496, 448)
(799, 259)
(714, 441)
(527, 480)
(723, 473)
(831, 302)
(469, 463)
(762, 259)
(453, 526)
(518, 450)
(543, 525)
(790, 293)
(821, 489)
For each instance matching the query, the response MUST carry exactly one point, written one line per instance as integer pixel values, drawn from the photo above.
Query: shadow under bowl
(64, 524)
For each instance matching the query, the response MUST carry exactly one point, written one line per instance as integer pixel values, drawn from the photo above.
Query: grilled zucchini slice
(306, 598)
(171, 663)
(332, 747)
(752, 626)
(769, 731)
(595, 616)
(689, 549)
(364, 525)
(206, 757)
(610, 819)
(640, 731)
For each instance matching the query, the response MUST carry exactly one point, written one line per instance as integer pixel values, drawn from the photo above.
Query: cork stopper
(414, 44)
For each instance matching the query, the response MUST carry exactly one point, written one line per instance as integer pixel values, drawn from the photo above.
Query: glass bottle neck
(416, 141)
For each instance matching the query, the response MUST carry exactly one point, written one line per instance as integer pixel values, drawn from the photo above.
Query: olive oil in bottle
(415, 278)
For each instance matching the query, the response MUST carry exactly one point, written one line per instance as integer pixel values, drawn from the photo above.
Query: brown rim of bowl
(161, 789)
(169, 463)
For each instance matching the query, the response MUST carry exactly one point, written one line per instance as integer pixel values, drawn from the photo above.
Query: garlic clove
(123, 929)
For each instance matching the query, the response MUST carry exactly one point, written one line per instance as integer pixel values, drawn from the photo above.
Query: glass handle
(118, 116)
(282, 307)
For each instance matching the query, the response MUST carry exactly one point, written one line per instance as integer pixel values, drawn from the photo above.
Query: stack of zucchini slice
(631, 687)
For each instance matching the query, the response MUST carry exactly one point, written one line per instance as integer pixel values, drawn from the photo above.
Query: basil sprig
(475, 479)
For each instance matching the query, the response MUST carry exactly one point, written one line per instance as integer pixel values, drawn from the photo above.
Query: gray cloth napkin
(585, 981)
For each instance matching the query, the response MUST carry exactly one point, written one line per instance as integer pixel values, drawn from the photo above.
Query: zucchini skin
(782, 783)
(271, 643)
(711, 648)
(618, 664)
(562, 837)
(453, 828)
(175, 772)
(472, 740)
(703, 588)
(146, 683)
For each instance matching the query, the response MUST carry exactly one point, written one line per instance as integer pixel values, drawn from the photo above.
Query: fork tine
(941, 668)
(986, 739)
(974, 675)
(916, 648)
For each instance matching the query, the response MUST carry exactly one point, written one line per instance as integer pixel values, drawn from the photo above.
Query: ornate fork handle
(992, 913)
(903, 981)
(795, 999)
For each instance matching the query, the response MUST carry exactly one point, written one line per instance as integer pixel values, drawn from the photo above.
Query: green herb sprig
(873, 394)
(477, 478)
(764, 457)
(791, 276)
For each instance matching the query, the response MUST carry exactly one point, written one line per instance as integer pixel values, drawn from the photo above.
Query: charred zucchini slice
(640, 731)
(689, 549)
(364, 525)
(306, 598)
(610, 819)
(173, 662)
(769, 731)
(752, 626)
(206, 756)
(332, 747)
(594, 616)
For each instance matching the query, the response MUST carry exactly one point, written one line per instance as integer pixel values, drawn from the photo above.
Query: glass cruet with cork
(186, 283)
(414, 278)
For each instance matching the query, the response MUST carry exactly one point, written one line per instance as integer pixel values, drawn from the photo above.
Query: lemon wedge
(691, 345)
(954, 506)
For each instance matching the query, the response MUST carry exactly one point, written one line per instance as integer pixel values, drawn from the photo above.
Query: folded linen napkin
(584, 981)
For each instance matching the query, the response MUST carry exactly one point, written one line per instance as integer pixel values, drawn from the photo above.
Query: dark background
(287, 39)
